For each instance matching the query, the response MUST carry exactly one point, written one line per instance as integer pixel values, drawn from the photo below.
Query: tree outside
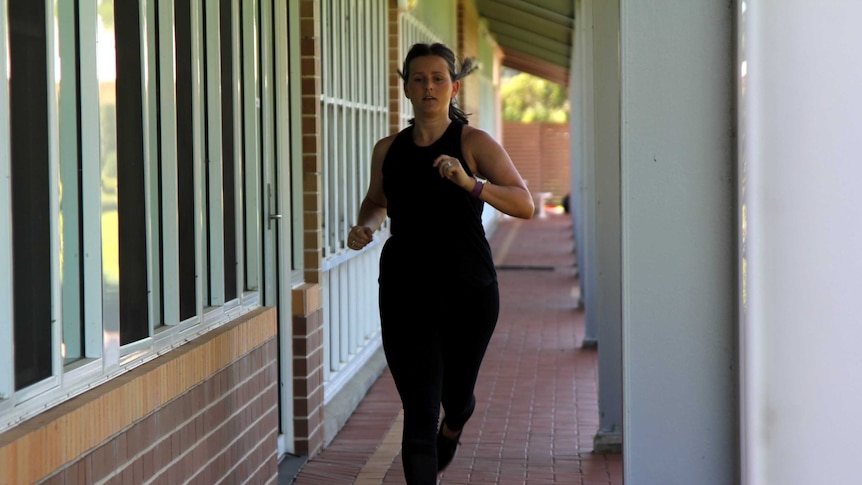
(530, 99)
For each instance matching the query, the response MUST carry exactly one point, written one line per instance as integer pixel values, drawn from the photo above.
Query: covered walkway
(537, 409)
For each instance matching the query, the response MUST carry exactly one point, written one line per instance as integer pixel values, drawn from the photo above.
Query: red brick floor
(537, 409)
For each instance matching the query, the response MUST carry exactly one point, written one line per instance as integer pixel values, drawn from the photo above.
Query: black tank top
(436, 227)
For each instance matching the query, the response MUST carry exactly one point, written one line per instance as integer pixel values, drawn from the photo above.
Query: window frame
(90, 198)
(7, 362)
(104, 356)
(53, 206)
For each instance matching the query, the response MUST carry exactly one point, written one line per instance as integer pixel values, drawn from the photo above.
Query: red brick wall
(541, 152)
(222, 430)
(205, 412)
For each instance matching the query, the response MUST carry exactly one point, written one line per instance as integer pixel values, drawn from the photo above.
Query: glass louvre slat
(31, 206)
(134, 297)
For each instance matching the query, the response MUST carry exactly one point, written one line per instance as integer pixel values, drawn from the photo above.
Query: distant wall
(541, 152)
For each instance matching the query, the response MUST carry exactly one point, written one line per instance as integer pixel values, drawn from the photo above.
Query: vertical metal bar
(334, 289)
(7, 367)
(251, 167)
(353, 304)
(214, 160)
(110, 238)
(88, 85)
(358, 67)
(364, 297)
(199, 148)
(72, 345)
(343, 314)
(237, 80)
(151, 159)
(327, 88)
(167, 117)
(341, 139)
(326, 290)
(268, 149)
(51, 57)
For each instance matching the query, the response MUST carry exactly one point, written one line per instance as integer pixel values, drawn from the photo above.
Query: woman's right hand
(359, 236)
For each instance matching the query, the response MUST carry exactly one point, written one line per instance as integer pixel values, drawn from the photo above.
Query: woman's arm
(506, 191)
(372, 212)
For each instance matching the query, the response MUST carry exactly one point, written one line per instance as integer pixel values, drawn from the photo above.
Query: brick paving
(537, 398)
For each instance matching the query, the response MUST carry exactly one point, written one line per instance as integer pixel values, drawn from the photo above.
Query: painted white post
(583, 159)
(606, 294)
(800, 123)
(679, 243)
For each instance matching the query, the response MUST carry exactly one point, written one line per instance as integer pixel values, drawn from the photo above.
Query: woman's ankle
(448, 433)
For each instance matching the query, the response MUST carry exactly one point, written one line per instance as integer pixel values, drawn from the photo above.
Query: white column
(582, 139)
(801, 167)
(607, 309)
(679, 243)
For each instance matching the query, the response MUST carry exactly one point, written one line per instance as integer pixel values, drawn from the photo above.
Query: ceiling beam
(534, 23)
(537, 67)
(558, 43)
(535, 35)
(535, 51)
(530, 8)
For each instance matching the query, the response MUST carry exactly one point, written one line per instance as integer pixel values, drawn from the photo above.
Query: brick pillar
(307, 298)
(308, 369)
(310, 76)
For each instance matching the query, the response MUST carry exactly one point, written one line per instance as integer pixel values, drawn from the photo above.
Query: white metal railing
(354, 115)
(351, 317)
(354, 108)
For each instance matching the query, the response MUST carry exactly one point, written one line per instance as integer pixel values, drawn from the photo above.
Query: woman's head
(445, 53)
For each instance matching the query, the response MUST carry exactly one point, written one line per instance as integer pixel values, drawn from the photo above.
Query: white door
(265, 59)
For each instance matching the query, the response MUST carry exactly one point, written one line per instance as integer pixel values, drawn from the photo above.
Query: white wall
(801, 154)
(678, 243)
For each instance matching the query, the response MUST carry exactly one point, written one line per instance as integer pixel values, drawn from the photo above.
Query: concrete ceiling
(535, 35)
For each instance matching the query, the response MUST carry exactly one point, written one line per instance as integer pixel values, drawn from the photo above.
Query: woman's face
(429, 85)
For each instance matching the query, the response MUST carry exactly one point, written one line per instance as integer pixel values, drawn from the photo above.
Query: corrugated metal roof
(535, 35)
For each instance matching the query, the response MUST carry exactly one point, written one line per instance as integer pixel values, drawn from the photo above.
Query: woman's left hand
(450, 168)
(358, 237)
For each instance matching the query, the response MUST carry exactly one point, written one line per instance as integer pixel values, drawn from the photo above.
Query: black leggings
(434, 338)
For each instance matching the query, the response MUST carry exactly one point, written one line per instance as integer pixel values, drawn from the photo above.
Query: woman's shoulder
(384, 143)
(476, 138)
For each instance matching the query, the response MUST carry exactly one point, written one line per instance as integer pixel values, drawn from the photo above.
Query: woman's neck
(427, 131)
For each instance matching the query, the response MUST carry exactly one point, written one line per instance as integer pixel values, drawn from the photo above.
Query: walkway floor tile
(537, 398)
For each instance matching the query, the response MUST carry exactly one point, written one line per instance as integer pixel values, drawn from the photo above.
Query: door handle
(272, 215)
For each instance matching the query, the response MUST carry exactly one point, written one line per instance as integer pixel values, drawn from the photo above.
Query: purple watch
(477, 189)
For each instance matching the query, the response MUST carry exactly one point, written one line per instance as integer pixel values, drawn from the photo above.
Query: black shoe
(446, 448)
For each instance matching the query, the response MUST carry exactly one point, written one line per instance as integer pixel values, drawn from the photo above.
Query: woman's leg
(411, 342)
(465, 341)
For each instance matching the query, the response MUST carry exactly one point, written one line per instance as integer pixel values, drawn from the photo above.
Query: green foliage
(106, 14)
(529, 99)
